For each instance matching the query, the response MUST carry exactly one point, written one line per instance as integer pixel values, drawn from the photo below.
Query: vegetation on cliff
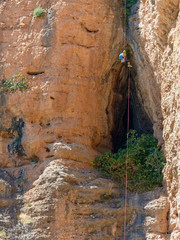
(17, 82)
(38, 12)
(130, 3)
(144, 163)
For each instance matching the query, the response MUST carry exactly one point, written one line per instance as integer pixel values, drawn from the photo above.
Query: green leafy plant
(130, 3)
(21, 181)
(28, 204)
(106, 196)
(34, 159)
(39, 12)
(124, 19)
(144, 163)
(17, 82)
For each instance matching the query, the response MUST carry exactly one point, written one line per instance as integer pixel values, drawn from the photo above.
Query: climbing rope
(124, 22)
(129, 65)
(126, 181)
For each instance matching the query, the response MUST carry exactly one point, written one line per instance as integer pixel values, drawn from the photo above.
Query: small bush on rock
(34, 159)
(130, 3)
(144, 164)
(17, 82)
(38, 12)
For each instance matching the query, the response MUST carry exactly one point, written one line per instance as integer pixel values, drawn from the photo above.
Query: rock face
(7, 188)
(64, 55)
(74, 109)
(155, 41)
(61, 199)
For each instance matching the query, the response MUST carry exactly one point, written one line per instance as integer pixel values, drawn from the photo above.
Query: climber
(123, 58)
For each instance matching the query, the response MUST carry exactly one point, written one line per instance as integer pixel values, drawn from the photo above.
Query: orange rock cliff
(75, 109)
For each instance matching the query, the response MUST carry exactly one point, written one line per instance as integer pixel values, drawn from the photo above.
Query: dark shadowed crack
(16, 147)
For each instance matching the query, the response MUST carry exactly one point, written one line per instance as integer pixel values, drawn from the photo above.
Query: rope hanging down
(126, 181)
(124, 22)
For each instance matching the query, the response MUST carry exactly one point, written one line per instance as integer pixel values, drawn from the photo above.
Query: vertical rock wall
(68, 112)
(65, 56)
(155, 40)
(64, 118)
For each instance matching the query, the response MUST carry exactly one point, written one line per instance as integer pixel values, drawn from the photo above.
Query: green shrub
(17, 82)
(38, 12)
(28, 204)
(106, 196)
(130, 3)
(34, 159)
(21, 181)
(144, 163)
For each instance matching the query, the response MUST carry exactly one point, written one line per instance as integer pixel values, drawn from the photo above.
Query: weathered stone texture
(64, 55)
(63, 199)
(69, 57)
(155, 40)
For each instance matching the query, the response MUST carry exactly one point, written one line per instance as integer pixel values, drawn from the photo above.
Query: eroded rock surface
(63, 199)
(65, 55)
(155, 41)
(69, 115)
